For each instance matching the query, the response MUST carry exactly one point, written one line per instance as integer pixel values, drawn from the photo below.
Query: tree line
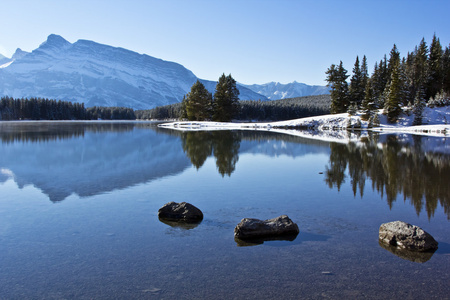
(45, 109)
(285, 109)
(419, 79)
(275, 110)
(197, 105)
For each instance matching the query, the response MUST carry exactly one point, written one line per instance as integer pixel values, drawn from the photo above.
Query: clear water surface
(79, 203)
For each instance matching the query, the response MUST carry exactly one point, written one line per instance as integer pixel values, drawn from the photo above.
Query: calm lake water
(79, 204)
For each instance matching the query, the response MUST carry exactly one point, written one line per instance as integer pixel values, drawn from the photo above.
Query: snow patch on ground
(333, 127)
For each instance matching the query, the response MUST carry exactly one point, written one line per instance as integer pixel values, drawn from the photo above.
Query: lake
(79, 213)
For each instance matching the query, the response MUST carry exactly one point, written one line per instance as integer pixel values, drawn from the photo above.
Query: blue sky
(257, 41)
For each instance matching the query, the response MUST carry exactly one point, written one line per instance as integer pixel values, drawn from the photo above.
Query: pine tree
(337, 81)
(226, 99)
(435, 64)
(393, 100)
(409, 73)
(404, 87)
(446, 70)
(379, 81)
(393, 62)
(420, 67)
(357, 85)
(364, 73)
(369, 104)
(199, 103)
(183, 112)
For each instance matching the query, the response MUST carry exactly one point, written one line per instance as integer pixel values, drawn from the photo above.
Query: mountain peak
(19, 54)
(55, 41)
(54, 38)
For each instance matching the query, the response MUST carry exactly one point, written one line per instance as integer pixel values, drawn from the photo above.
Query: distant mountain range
(102, 75)
(276, 90)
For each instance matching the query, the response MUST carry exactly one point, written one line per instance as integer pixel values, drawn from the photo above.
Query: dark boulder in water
(255, 229)
(180, 212)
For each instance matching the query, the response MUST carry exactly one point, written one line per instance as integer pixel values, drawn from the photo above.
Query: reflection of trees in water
(54, 131)
(198, 146)
(226, 151)
(394, 168)
(224, 145)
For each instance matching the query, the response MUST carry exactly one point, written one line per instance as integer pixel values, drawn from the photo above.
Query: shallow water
(79, 203)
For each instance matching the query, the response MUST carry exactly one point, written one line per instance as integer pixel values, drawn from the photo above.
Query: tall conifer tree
(393, 100)
(364, 72)
(337, 81)
(226, 99)
(446, 70)
(420, 67)
(435, 67)
(357, 86)
(199, 103)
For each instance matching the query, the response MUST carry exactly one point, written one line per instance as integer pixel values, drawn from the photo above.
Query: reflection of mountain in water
(93, 158)
(88, 159)
(396, 165)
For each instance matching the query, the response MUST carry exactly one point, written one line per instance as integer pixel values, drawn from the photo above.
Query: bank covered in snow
(436, 122)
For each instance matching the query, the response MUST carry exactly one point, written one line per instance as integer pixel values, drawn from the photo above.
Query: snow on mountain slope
(98, 75)
(95, 74)
(276, 90)
(102, 75)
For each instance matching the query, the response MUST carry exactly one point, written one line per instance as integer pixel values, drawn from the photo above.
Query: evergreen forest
(420, 78)
(255, 110)
(45, 109)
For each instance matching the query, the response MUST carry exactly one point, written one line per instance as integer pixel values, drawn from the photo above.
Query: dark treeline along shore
(49, 109)
(275, 110)
(45, 109)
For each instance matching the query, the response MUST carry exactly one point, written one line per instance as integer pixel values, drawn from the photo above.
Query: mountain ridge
(101, 75)
(275, 90)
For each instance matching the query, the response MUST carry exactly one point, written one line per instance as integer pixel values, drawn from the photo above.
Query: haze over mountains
(102, 75)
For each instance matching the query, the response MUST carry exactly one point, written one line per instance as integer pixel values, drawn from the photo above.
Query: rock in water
(183, 212)
(254, 228)
(406, 236)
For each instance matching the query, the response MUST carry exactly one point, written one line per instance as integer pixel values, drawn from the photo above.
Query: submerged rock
(181, 212)
(280, 226)
(406, 236)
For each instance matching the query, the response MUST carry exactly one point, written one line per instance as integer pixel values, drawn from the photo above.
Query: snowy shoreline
(331, 127)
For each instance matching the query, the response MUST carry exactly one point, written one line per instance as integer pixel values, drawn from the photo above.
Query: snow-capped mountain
(98, 75)
(101, 75)
(276, 90)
